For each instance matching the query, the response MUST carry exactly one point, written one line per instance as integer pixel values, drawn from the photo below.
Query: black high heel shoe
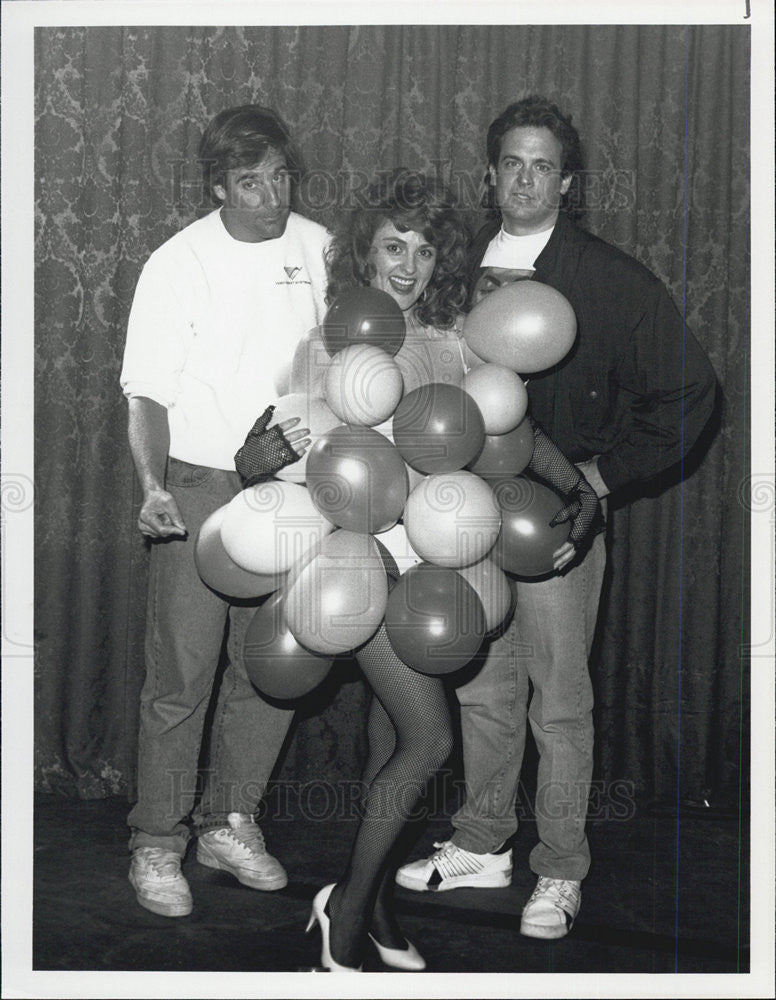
(319, 916)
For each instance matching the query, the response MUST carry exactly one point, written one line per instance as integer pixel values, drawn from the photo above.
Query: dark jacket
(636, 388)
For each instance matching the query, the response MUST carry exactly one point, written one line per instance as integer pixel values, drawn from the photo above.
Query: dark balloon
(275, 662)
(505, 454)
(434, 619)
(526, 543)
(438, 428)
(363, 316)
(357, 479)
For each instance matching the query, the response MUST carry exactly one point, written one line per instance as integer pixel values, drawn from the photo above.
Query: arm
(149, 441)
(666, 387)
(582, 506)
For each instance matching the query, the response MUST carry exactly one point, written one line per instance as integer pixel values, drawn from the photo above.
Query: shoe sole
(502, 880)
(265, 885)
(542, 931)
(160, 907)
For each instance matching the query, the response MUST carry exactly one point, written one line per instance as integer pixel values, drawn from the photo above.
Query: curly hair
(410, 201)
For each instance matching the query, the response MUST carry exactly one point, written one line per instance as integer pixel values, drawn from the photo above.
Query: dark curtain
(663, 113)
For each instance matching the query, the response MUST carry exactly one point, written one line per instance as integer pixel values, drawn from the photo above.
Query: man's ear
(565, 182)
(492, 175)
(219, 191)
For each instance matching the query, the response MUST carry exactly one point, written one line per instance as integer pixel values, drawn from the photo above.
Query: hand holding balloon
(563, 556)
(299, 439)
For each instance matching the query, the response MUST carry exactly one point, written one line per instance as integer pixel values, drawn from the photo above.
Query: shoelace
(564, 891)
(251, 838)
(161, 864)
(451, 860)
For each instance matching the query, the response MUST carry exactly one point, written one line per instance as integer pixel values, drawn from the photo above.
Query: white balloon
(363, 385)
(500, 394)
(452, 518)
(269, 526)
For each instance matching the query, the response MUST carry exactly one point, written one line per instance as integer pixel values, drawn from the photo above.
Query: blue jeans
(546, 646)
(185, 627)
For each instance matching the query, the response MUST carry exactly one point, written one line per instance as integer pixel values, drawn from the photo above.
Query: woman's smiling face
(404, 263)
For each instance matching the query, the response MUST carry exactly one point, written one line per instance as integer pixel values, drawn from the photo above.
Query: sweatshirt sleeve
(666, 388)
(159, 333)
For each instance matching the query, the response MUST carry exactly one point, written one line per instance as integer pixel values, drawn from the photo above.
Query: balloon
(505, 454)
(363, 316)
(500, 394)
(526, 542)
(219, 571)
(316, 414)
(335, 597)
(357, 479)
(526, 326)
(434, 620)
(438, 428)
(452, 518)
(363, 385)
(274, 661)
(492, 587)
(267, 527)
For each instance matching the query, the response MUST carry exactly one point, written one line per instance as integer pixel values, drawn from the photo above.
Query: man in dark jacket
(627, 402)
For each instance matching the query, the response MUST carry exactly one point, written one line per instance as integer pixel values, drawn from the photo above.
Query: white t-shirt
(508, 251)
(213, 328)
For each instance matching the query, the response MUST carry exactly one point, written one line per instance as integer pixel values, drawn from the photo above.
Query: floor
(666, 895)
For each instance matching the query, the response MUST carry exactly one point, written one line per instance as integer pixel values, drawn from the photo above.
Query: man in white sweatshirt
(218, 311)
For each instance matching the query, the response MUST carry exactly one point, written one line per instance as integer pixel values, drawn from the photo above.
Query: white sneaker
(551, 910)
(157, 879)
(240, 850)
(451, 867)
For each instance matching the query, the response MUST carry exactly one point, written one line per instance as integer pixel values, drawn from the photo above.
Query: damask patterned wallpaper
(663, 113)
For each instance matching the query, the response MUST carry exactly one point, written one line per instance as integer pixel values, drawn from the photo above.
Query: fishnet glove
(264, 452)
(582, 506)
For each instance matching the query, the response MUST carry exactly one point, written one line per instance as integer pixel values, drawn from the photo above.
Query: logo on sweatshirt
(294, 276)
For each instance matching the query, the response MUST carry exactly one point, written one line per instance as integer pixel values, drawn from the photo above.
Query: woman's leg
(421, 736)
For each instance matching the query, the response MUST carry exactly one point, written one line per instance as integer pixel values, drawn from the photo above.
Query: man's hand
(159, 516)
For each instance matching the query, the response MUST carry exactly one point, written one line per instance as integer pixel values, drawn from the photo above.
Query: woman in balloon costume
(409, 241)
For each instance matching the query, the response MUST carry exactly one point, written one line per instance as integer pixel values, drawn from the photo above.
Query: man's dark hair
(242, 137)
(537, 112)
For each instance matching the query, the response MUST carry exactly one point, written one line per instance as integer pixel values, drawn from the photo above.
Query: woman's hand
(563, 556)
(299, 439)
